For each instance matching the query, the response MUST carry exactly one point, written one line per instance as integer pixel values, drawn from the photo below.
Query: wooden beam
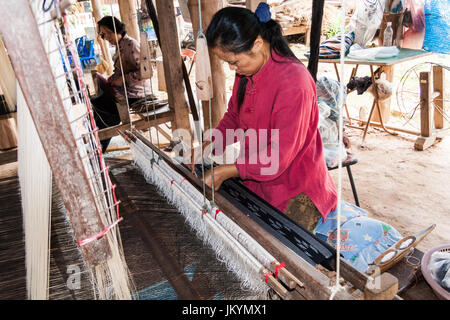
(172, 63)
(218, 103)
(139, 124)
(8, 156)
(8, 131)
(35, 77)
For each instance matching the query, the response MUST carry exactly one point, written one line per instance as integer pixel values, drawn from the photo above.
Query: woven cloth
(331, 48)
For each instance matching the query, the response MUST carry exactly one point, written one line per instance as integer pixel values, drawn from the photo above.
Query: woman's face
(107, 35)
(245, 63)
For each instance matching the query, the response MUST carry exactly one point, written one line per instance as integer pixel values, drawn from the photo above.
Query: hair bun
(262, 12)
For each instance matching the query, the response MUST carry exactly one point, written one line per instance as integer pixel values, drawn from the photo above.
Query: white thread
(337, 287)
(36, 190)
(243, 261)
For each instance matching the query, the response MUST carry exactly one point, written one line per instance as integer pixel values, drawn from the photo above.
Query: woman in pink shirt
(274, 104)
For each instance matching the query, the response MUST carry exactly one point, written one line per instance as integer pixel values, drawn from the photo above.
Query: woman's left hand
(221, 173)
(118, 82)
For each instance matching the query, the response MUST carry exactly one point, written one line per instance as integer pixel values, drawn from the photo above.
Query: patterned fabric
(331, 48)
(363, 239)
(303, 211)
(130, 55)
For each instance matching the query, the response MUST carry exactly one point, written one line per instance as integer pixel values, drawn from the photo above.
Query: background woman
(105, 107)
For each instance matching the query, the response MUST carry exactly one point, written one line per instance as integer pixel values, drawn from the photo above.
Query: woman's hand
(117, 82)
(196, 155)
(221, 173)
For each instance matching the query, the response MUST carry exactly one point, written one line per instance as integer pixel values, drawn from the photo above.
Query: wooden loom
(298, 279)
(302, 277)
(68, 137)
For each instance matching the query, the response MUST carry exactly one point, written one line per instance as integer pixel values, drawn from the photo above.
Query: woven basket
(438, 290)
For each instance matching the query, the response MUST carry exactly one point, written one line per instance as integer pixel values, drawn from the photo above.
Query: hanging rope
(337, 287)
(145, 101)
(201, 36)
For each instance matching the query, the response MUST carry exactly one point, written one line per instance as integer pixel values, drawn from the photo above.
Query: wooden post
(218, 103)
(427, 137)
(128, 15)
(97, 14)
(170, 48)
(315, 34)
(385, 105)
(8, 132)
(438, 86)
(385, 287)
(253, 4)
(47, 110)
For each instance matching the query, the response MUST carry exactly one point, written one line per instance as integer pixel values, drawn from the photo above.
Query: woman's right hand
(196, 155)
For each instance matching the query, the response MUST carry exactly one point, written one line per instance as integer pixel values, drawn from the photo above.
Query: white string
(200, 34)
(145, 94)
(337, 287)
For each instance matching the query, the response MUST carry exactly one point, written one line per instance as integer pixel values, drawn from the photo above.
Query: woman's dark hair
(107, 22)
(234, 29)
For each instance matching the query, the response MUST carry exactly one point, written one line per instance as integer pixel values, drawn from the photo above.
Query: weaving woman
(272, 91)
(126, 59)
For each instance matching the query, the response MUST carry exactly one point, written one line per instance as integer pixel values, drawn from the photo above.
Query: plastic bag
(440, 268)
(328, 101)
(331, 154)
(366, 20)
(357, 52)
(437, 26)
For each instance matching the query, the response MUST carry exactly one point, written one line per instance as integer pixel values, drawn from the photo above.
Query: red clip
(98, 236)
(267, 275)
(171, 182)
(278, 267)
(217, 212)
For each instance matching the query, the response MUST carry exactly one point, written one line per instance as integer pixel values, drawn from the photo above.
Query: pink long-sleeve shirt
(282, 95)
